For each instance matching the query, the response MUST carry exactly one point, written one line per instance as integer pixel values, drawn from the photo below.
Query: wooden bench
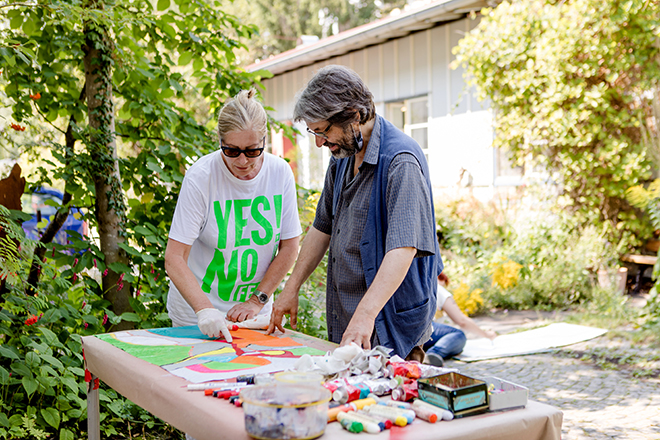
(641, 260)
(648, 260)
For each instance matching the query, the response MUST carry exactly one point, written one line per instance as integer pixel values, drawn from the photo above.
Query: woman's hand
(246, 310)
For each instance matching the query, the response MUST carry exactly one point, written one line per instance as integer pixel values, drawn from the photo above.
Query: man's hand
(246, 310)
(212, 323)
(286, 303)
(359, 330)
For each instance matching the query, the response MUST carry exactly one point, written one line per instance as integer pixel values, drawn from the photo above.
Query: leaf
(131, 317)
(29, 26)
(71, 383)
(65, 434)
(5, 352)
(119, 268)
(49, 336)
(22, 369)
(184, 59)
(51, 416)
(4, 421)
(163, 5)
(32, 359)
(30, 385)
(4, 376)
(53, 361)
(16, 22)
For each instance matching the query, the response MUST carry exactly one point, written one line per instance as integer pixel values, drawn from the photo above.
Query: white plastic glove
(212, 323)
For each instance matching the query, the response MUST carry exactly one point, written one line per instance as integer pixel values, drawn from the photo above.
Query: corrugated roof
(376, 32)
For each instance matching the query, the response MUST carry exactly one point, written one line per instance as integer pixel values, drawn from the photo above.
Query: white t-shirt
(443, 295)
(234, 228)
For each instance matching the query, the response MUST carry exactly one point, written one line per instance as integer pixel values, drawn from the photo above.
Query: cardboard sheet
(206, 418)
(528, 342)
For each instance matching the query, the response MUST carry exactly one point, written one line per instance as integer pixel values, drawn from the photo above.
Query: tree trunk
(110, 209)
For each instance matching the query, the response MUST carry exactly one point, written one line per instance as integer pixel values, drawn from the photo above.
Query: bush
(541, 260)
(42, 372)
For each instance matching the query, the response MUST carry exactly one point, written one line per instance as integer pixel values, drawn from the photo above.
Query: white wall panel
(440, 71)
(420, 63)
(374, 70)
(389, 71)
(404, 67)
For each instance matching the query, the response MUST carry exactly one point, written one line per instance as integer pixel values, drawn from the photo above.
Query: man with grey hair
(375, 216)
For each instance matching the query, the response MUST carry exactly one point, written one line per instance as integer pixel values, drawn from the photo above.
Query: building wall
(459, 127)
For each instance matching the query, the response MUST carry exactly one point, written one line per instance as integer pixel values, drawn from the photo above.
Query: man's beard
(348, 146)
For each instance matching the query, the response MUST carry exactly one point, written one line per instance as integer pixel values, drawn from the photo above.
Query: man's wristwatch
(262, 297)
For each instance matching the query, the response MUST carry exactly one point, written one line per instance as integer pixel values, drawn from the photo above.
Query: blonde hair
(241, 113)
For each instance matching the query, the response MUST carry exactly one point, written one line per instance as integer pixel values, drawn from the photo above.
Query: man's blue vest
(409, 312)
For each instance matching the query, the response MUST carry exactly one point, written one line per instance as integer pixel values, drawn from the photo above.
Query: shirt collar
(373, 147)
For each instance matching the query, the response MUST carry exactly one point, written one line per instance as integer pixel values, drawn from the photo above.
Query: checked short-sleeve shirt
(409, 219)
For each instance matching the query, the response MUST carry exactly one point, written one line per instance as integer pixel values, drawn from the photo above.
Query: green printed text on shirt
(236, 267)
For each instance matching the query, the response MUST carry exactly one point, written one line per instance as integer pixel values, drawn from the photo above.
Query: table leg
(93, 413)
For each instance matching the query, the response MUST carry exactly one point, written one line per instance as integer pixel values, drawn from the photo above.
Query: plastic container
(296, 378)
(285, 411)
(505, 394)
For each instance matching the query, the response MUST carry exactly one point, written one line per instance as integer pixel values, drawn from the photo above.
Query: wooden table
(205, 418)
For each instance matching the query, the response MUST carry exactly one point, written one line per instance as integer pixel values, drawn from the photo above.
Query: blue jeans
(446, 341)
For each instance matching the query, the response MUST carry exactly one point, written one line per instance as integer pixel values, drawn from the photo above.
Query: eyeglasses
(323, 134)
(249, 152)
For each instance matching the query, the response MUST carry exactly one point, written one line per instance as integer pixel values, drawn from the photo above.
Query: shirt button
(333, 259)
(338, 231)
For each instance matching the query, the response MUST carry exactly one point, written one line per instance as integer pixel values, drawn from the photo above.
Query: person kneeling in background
(447, 341)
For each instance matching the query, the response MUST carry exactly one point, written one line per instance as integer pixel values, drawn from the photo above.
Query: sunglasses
(322, 134)
(249, 152)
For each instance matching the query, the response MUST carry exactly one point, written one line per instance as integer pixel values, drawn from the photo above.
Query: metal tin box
(462, 395)
(505, 394)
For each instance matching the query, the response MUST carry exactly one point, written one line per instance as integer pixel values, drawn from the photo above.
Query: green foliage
(541, 260)
(42, 388)
(569, 83)
(170, 71)
(170, 65)
(279, 29)
(649, 199)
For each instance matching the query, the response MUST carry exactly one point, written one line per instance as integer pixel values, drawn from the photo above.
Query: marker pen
(441, 412)
(396, 404)
(378, 419)
(396, 417)
(425, 414)
(367, 418)
(368, 426)
(332, 412)
(351, 426)
(210, 385)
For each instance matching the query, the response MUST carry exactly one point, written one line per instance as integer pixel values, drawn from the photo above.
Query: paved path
(598, 403)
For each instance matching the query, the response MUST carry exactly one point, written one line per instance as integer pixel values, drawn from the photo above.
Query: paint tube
(405, 392)
(406, 369)
(349, 392)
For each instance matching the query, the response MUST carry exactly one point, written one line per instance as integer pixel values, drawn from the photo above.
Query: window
(412, 117)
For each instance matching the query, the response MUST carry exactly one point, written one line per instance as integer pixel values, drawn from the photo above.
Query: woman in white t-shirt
(235, 230)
